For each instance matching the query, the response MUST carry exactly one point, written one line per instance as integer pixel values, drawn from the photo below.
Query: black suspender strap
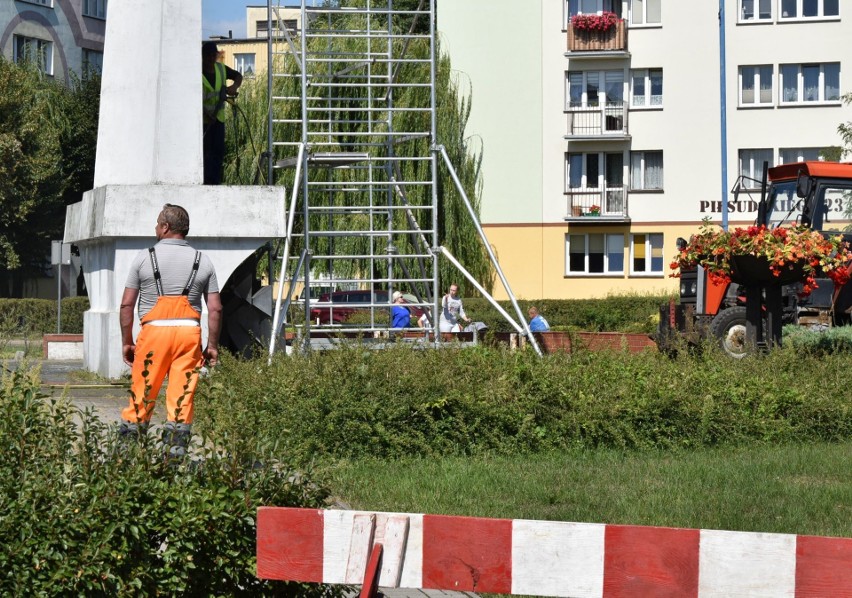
(193, 273)
(157, 277)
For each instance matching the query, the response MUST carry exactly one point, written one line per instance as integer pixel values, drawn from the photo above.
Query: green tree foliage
(456, 231)
(30, 161)
(845, 129)
(48, 134)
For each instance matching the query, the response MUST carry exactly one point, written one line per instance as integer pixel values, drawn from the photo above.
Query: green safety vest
(211, 94)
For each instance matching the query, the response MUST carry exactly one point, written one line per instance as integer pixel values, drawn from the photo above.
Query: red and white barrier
(549, 558)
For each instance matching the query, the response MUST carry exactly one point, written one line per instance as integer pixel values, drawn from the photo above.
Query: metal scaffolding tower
(353, 133)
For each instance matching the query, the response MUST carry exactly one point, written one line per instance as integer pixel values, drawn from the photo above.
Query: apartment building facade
(606, 137)
(62, 36)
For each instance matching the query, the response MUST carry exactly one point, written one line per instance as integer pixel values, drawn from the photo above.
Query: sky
(220, 16)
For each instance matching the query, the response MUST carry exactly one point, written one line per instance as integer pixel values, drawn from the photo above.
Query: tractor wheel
(729, 326)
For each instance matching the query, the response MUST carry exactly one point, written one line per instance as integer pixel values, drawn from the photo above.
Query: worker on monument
(169, 281)
(214, 79)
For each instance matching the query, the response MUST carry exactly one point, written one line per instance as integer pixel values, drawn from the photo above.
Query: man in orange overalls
(169, 281)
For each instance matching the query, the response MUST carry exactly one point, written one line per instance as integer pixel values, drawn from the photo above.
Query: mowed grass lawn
(796, 489)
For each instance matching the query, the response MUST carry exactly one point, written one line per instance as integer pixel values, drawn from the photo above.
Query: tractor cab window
(832, 203)
(785, 207)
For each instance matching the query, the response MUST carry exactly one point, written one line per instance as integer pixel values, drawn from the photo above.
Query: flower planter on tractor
(744, 308)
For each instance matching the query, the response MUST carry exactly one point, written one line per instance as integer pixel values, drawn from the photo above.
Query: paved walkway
(107, 400)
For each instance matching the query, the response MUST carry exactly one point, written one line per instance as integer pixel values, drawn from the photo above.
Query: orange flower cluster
(782, 247)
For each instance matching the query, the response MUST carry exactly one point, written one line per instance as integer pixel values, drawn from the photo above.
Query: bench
(543, 558)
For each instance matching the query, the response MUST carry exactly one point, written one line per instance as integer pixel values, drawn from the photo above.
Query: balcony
(598, 44)
(610, 201)
(598, 122)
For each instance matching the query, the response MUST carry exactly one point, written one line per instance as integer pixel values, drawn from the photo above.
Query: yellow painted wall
(533, 259)
(228, 48)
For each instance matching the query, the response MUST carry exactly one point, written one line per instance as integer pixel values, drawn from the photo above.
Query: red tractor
(814, 194)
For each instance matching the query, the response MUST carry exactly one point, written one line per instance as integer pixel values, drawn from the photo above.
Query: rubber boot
(132, 432)
(176, 438)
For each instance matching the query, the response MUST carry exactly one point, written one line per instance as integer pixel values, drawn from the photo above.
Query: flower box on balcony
(584, 40)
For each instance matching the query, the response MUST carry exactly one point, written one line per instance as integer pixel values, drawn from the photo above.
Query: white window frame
(754, 168)
(642, 13)
(586, 185)
(95, 9)
(651, 241)
(640, 155)
(603, 99)
(800, 85)
(239, 63)
(572, 7)
(757, 80)
(617, 238)
(757, 14)
(647, 97)
(46, 3)
(47, 66)
(800, 7)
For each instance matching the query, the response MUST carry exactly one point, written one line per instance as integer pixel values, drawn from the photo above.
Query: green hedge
(833, 340)
(35, 317)
(614, 313)
(355, 402)
(82, 516)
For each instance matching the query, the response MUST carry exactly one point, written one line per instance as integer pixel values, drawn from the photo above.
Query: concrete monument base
(113, 223)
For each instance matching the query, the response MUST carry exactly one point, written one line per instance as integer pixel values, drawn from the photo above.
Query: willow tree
(355, 127)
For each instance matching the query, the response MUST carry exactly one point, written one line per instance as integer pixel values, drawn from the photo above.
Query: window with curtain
(584, 171)
(584, 88)
(614, 90)
(646, 171)
(756, 85)
(646, 88)
(751, 165)
(809, 9)
(593, 6)
(244, 63)
(594, 254)
(755, 10)
(798, 154)
(32, 49)
(802, 83)
(646, 12)
(646, 253)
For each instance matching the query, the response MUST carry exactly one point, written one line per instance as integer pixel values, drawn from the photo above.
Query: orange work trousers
(173, 351)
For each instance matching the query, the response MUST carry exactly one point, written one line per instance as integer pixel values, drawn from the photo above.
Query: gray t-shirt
(174, 258)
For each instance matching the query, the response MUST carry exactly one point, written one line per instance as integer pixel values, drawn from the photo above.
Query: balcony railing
(611, 204)
(598, 121)
(613, 40)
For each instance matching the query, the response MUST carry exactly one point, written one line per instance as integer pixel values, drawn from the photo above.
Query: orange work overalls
(168, 344)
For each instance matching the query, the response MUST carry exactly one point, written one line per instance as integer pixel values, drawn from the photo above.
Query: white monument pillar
(150, 153)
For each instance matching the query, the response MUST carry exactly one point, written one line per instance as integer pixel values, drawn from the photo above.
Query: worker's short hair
(177, 218)
(533, 310)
